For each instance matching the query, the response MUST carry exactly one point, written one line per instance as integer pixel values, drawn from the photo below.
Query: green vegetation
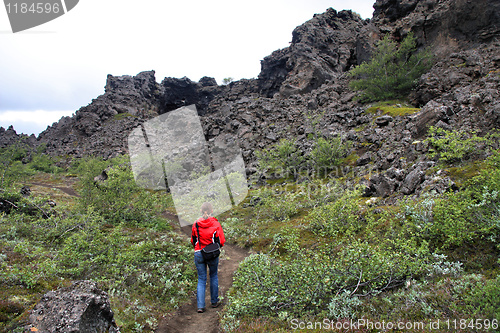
(392, 108)
(321, 250)
(121, 116)
(285, 159)
(113, 234)
(227, 80)
(328, 153)
(457, 146)
(118, 199)
(392, 72)
(324, 253)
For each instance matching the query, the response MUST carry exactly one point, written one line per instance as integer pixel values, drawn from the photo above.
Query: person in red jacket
(210, 232)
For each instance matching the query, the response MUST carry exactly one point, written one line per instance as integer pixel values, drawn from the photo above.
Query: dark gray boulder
(82, 307)
(413, 180)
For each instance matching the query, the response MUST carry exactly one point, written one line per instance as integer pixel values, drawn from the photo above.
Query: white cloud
(31, 122)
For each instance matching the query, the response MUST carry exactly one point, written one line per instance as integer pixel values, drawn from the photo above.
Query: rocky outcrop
(440, 21)
(101, 128)
(9, 137)
(303, 90)
(176, 93)
(80, 308)
(133, 95)
(465, 83)
(321, 50)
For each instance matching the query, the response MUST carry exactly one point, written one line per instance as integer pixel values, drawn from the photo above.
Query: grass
(462, 173)
(145, 268)
(279, 223)
(121, 116)
(392, 108)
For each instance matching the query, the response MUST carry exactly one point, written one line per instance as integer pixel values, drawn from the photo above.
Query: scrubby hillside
(358, 212)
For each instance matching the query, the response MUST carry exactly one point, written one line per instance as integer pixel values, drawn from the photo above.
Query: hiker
(206, 231)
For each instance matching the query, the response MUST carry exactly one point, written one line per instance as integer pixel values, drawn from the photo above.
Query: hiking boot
(201, 310)
(214, 305)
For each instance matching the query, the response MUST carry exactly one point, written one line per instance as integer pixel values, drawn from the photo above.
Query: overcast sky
(52, 70)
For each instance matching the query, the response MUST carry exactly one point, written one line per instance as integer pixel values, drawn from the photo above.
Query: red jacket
(210, 232)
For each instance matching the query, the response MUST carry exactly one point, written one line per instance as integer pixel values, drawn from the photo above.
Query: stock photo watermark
(362, 324)
(27, 14)
(170, 151)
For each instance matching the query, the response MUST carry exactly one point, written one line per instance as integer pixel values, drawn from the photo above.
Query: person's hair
(206, 209)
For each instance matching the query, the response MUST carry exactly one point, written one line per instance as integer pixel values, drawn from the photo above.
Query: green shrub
(239, 231)
(13, 161)
(338, 218)
(90, 247)
(118, 198)
(277, 205)
(328, 153)
(19, 161)
(284, 158)
(309, 281)
(227, 80)
(44, 163)
(472, 213)
(484, 300)
(12, 202)
(453, 146)
(392, 72)
(456, 299)
(344, 305)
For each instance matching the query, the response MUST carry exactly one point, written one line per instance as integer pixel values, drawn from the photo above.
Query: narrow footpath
(186, 319)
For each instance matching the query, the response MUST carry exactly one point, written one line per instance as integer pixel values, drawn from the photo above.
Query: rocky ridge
(308, 79)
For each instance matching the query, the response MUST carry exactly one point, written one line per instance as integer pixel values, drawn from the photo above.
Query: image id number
(34, 8)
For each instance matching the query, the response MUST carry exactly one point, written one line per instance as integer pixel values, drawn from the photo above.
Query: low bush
(328, 153)
(453, 146)
(238, 231)
(472, 213)
(13, 161)
(118, 198)
(283, 158)
(484, 300)
(338, 218)
(286, 160)
(308, 282)
(393, 70)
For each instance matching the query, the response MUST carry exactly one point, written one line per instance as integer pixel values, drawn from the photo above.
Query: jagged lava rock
(82, 307)
(321, 49)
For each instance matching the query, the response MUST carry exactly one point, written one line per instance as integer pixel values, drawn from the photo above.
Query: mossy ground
(392, 108)
(448, 297)
(282, 218)
(66, 231)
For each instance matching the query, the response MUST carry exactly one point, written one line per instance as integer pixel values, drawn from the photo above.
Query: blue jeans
(201, 267)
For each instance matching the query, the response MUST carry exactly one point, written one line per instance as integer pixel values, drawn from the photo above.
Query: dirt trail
(65, 189)
(186, 319)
